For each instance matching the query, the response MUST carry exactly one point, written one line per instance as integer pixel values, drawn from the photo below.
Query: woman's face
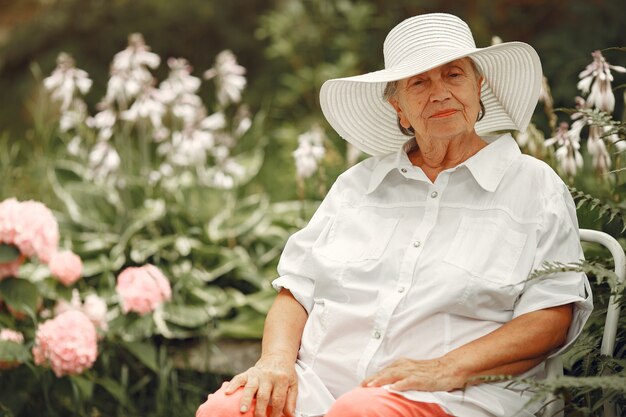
(442, 103)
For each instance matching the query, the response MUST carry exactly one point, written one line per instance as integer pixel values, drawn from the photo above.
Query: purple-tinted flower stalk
(597, 77)
(568, 152)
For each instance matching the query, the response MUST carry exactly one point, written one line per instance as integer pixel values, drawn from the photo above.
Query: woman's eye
(455, 74)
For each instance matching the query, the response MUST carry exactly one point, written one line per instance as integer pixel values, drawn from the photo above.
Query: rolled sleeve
(297, 268)
(558, 241)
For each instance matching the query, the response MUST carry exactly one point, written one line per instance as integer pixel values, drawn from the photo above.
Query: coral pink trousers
(360, 402)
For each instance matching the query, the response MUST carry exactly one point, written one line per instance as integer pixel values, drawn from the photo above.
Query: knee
(358, 402)
(219, 404)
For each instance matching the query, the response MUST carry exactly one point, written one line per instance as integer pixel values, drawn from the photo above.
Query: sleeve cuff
(300, 287)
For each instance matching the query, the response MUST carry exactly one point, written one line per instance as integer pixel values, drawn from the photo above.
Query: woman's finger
(290, 403)
(262, 398)
(383, 378)
(238, 381)
(405, 384)
(249, 390)
(279, 396)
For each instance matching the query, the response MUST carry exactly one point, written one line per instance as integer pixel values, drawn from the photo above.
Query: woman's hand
(426, 375)
(273, 381)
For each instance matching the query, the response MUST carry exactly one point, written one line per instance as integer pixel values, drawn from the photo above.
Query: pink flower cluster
(8, 335)
(94, 307)
(66, 267)
(68, 343)
(142, 289)
(30, 226)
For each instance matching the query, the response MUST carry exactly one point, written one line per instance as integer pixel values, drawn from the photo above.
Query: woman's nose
(439, 90)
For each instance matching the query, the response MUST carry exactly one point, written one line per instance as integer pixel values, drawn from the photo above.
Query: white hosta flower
(243, 121)
(214, 122)
(228, 173)
(188, 147)
(189, 109)
(531, 139)
(597, 77)
(67, 81)
(137, 54)
(130, 71)
(229, 77)
(310, 151)
(614, 139)
(72, 117)
(103, 121)
(597, 149)
(146, 106)
(103, 161)
(179, 82)
(74, 147)
(568, 152)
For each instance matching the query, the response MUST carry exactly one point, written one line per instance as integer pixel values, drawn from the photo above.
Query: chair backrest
(554, 366)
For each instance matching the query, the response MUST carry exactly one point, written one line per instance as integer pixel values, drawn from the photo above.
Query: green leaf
(13, 352)
(8, 253)
(228, 224)
(152, 211)
(20, 294)
(114, 388)
(248, 324)
(186, 315)
(132, 326)
(83, 386)
(145, 352)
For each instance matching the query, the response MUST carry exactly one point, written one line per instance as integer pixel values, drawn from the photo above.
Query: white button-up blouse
(392, 265)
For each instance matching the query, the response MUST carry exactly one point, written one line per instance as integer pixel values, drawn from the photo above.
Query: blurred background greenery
(289, 48)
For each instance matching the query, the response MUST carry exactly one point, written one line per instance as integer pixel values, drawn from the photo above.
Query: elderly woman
(411, 279)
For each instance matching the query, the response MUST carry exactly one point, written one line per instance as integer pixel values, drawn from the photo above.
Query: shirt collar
(487, 166)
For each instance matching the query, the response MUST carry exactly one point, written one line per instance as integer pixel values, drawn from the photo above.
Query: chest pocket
(486, 248)
(356, 234)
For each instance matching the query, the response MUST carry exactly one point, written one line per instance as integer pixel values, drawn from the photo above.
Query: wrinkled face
(441, 103)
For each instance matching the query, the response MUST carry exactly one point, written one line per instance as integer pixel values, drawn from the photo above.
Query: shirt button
(377, 334)
(417, 244)
(403, 170)
(401, 289)
(434, 194)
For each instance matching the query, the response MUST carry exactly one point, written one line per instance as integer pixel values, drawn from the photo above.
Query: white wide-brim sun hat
(356, 109)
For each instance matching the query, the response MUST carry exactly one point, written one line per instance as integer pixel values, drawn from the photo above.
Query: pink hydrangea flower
(66, 267)
(94, 307)
(142, 289)
(8, 335)
(68, 343)
(30, 226)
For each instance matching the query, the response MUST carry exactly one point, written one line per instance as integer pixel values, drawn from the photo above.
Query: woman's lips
(444, 113)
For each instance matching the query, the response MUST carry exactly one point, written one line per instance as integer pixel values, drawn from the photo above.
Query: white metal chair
(554, 366)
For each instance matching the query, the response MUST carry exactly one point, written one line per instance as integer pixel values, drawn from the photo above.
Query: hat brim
(355, 108)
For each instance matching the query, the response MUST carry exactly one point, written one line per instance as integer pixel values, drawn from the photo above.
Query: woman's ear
(401, 119)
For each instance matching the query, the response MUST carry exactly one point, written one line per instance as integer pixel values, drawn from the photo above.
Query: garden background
(214, 218)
